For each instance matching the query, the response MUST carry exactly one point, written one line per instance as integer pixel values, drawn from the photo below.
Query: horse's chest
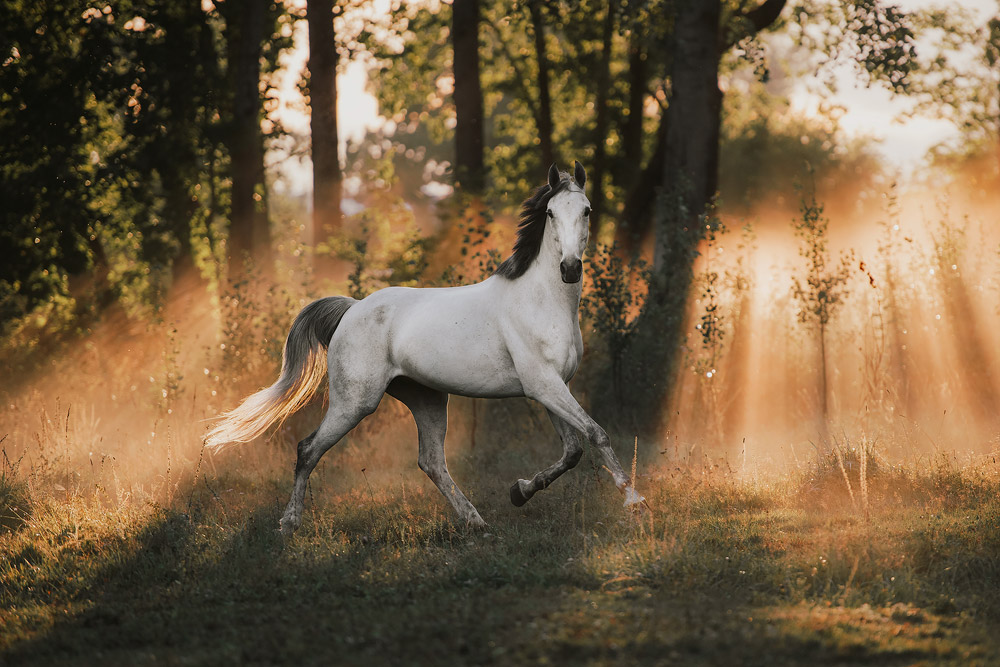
(571, 362)
(562, 347)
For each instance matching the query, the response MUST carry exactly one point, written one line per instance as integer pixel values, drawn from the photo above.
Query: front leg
(523, 489)
(548, 389)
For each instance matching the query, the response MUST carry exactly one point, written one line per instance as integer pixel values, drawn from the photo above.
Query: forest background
(781, 314)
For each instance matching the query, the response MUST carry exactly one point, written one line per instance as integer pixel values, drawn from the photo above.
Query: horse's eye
(550, 213)
(586, 212)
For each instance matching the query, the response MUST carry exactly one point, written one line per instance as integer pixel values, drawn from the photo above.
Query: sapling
(710, 325)
(824, 289)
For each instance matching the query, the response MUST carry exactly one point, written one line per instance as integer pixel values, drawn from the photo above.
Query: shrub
(15, 500)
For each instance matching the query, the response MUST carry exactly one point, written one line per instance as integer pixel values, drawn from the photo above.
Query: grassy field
(727, 568)
(122, 542)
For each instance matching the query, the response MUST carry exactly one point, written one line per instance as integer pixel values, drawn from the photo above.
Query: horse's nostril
(571, 270)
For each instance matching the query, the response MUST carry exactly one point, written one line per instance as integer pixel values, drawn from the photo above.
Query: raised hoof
(516, 495)
(636, 504)
(632, 498)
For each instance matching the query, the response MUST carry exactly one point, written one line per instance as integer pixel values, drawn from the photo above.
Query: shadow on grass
(389, 582)
(228, 589)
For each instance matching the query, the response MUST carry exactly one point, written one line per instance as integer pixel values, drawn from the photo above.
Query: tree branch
(519, 73)
(766, 14)
(748, 23)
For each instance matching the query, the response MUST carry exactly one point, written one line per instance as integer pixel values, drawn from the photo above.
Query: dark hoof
(516, 496)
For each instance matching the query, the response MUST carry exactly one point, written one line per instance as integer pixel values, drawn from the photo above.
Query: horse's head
(569, 222)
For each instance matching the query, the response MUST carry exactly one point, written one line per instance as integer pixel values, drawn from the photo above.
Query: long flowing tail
(303, 367)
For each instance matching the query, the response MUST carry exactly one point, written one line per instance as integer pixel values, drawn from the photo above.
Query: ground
(725, 568)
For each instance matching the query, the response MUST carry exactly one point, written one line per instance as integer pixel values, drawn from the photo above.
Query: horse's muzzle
(571, 270)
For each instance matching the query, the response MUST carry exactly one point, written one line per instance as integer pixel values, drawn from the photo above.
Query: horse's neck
(542, 286)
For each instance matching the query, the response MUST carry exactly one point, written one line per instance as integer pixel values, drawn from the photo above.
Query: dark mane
(531, 228)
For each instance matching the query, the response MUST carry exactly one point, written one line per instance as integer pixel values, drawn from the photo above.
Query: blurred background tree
(126, 136)
(324, 57)
(962, 84)
(134, 133)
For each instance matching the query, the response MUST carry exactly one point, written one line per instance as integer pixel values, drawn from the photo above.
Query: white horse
(517, 333)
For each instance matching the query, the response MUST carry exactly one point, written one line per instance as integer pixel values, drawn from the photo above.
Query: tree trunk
(635, 225)
(692, 155)
(176, 150)
(689, 183)
(211, 143)
(544, 120)
(597, 198)
(469, 170)
(246, 29)
(689, 180)
(327, 177)
(638, 74)
(179, 208)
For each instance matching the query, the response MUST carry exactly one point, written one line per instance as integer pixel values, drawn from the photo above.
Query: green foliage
(480, 258)
(961, 83)
(96, 102)
(616, 293)
(614, 296)
(45, 163)
(877, 38)
(386, 248)
(256, 315)
(886, 44)
(113, 122)
(765, 147)
(824, 289)
(711, 325)
(414, 57)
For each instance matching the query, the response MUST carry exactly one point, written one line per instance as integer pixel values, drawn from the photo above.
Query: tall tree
(702, 32)
(246, 29)
(544, 113)
(638, 75)
(597, 194)
(47, 129)
(177, 75)
(469, 167)
(691, 163)
(109, 174)
(327, 176)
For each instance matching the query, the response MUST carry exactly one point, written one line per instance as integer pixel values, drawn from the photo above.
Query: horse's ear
(580, 174)
(553, 176)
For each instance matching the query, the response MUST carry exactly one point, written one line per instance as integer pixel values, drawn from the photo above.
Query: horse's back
(446, 338)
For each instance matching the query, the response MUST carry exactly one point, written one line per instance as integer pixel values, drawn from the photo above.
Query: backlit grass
(782, 569)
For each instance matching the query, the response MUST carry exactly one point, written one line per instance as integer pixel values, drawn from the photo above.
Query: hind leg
(342, 416)
(430, 412)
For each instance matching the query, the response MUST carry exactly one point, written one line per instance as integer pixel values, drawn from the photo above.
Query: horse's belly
(475, 386)
(457, 357)
(478, 375)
